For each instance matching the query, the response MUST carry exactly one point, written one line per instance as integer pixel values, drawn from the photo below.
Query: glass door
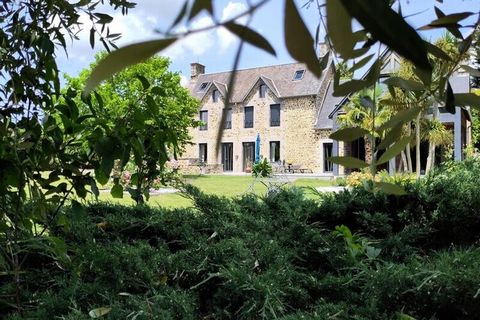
(227, 156)
(248, 155)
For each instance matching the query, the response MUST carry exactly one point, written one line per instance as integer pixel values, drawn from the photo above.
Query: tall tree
(39, 169)
(145, 115)
(360, 114)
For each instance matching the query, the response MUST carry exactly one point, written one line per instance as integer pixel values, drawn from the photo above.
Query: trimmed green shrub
(351, 255)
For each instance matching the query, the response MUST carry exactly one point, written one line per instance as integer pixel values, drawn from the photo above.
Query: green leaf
(339, 27)
(92, 38)
(403, 316)
(103, 18)
(392, 136)
(59, 246)
(437, 52)
(394, 150)
(100, 176)
(144, 81)
(117, 191)
(465, 44)
(423, 75)
(200, 5)
(349, 162)
(124, 57)
(407, 84)
(79, 187)
(344, 89)
(250, 36)
(403, 116)
(298, 39)
(99, 312)
(387, 26)
(467, 99)
(390, 188)
(449, 99)
(453, 30)
(446, 20)
(324, 60)
(348, 134)
(94, 188)
(180, 15)
(360, 64)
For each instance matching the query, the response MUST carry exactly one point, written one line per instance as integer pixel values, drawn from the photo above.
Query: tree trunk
(404, 161)
(368, 149)
(409, 159)
(417, 146)
(431, 157)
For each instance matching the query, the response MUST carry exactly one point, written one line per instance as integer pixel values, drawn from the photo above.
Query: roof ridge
(252, 68)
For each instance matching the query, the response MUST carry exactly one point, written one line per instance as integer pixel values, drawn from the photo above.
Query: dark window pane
(202, 152)
(204, 119)
(275, 115)
(228, 119)
(215, 95)
(248, 121)
(298, 74)
(262, 91)
(327, 152)
(203, 86)
(274, 151)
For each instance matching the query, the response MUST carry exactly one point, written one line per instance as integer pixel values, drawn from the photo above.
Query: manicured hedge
(351, 255)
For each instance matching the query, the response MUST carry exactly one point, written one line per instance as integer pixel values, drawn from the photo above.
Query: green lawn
(223, 185)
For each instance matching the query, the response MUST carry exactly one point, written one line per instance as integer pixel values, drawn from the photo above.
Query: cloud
(184, 81)
(225, 38)
(140, 24)
(195, 44)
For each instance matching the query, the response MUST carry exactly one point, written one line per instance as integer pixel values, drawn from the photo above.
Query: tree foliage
(144, 119)
(43, 159)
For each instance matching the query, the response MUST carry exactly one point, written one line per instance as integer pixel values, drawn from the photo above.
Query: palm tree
(359, 112)
(437, 135)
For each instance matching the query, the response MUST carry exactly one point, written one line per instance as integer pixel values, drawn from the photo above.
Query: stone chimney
(196, 69)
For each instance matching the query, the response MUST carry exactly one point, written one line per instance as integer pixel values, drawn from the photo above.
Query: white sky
(215, 49)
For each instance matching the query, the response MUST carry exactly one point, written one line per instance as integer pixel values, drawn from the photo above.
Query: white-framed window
(203, 86)
(298, 75)
(202, 152)
(204, 119)
(215, 95)
(274, 115)
(228, 119)
(274, 151)
(248, 117)
(327, 152)
(262, 90)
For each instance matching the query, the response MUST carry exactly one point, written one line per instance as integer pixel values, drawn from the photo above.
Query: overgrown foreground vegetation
(352, 255)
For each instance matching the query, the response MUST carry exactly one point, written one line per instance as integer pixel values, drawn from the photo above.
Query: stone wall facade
(300, 142)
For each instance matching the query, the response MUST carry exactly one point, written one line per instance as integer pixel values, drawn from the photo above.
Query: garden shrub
(348, 255)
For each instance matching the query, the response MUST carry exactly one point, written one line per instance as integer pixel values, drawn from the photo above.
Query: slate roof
(279, 77)
(329, 103)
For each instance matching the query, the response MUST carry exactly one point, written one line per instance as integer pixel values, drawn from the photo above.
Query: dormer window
(298, 75)
(262, 90)
(215, 95)
(203, 86)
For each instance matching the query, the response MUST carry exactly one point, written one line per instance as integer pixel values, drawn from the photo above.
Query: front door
(227, 156)
(248, 155)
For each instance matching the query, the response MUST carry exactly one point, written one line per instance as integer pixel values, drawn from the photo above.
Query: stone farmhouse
(290, 111)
